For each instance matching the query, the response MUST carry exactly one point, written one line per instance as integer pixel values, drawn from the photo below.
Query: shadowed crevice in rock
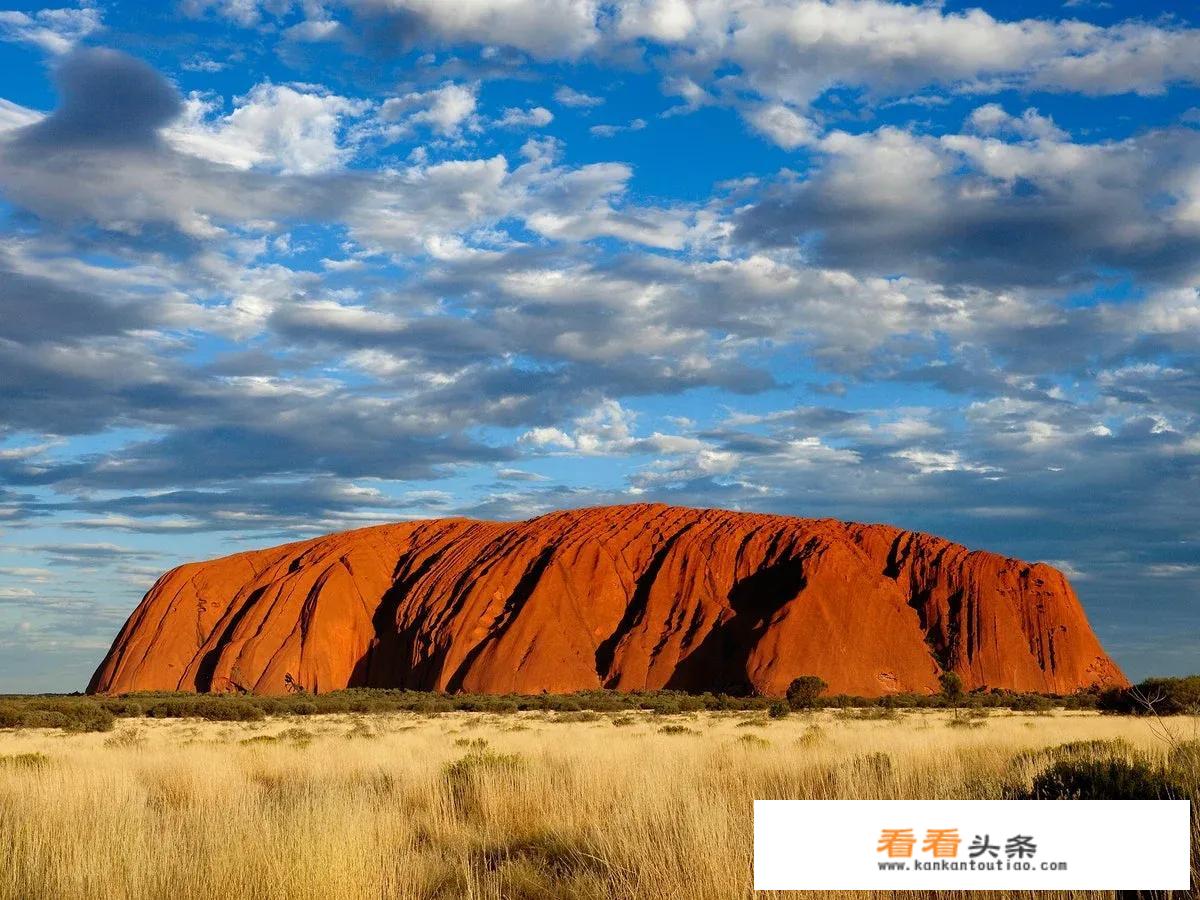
(388, 662)
(635, 611)
(208, 663)
(721, 658)
(512, 606)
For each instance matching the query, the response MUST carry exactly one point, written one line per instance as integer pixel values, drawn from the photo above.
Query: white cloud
(929, 462)
(202, 63)
(423, 206)
(789, 52)
(447, 110)
(1172, 570)
(314, 30)
(607, 131)
(992, 119)
(544, 28)
(782, 125)
(605, 430)
(694, 96)
(13, 115)
(247, 13)
(25, 573)
(546, 438)
(568, 96)
(54, 30)
(666, 21)
(273, 126)
(533, 117)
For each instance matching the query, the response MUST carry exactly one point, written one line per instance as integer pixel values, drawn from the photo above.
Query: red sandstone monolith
(627, 597)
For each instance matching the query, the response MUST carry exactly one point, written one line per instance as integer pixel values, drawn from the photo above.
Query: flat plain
(481, 805)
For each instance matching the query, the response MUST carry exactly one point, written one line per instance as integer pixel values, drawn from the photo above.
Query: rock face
(626, 597)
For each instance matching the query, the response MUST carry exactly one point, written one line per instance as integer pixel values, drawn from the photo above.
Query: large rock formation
(626, 597)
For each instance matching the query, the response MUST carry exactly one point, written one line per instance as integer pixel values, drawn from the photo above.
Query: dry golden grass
(378, 806)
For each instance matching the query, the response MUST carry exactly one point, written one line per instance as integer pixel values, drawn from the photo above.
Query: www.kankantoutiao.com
(969, 865)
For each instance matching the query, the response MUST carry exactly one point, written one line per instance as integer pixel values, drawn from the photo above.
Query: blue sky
(273, 269)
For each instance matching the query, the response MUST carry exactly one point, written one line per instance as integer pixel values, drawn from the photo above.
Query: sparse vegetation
(753, 740)
(75, 714)
(1154, 697)
(25, 761)
(86, 713)
(127, 738)
(461, 804)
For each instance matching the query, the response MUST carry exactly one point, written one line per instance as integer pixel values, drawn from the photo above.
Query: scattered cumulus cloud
(273, 126)
(533, 117)
(446, 110)
(565, 95)
(56, 31)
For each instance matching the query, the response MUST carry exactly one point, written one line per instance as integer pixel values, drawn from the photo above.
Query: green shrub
(664, 708)
(952, 685)
(560, 703)
(11, 716)
(675, 729)
(778, 709)
(1096, 749)
(1086, 699)
(1172, 696)
(123, 708)
(1030, 703)
(68, 713)
(89, 718)
(171, 709)
(1157, 696)
(1076, 751)
(1110, 779)
(78, 712)
(803, 692)
(227, 711)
